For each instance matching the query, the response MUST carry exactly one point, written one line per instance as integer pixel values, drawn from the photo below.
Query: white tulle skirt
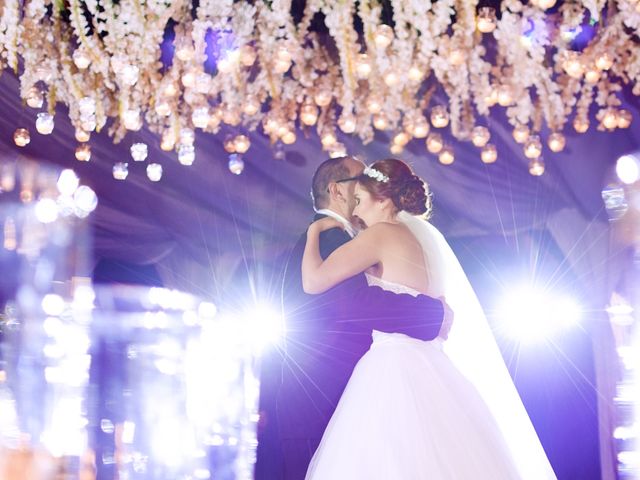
(408, 414)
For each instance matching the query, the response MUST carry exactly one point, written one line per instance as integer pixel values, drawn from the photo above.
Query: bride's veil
(472, 348)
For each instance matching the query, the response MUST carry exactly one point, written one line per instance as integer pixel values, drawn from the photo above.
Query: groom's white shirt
(347, 224)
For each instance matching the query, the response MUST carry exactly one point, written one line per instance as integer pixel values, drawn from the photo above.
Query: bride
(444, 409)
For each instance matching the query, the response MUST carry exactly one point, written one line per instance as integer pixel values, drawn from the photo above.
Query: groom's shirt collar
(347, 225)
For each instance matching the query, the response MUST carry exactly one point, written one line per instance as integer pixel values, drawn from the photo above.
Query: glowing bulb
(81, 59)
(604, 61)
(328, 139)
(288, 138)
(251, 106)
(308, 114)
(401, 138)
(520, 133)
(168, 141)
(200, 117)
(322, 97)
(420, 127)
(247, 55)
(573, 65)
(363, 66)
(154, 172)
(242, 143)
(170, 90)
(396, 149)
(229, 144)
(35, 98)
(457, 57)
(374, 104)
(480, 136)
(556, 142)
(380, 121)
(21, 137)
(83, 152)
(486, 20)
(391, 78)
(610, 118)
(580, 124)
(131, 119)
(188, 79)
(347, 123)
(439, 117)
(186, 154)
(44, 123)
(624, 118)
(416, 74)
(82, 136)
(505, 95)
(533, 147)
(434, 143)
(592, 75)
(536, 167)
(120, 171)
(489, 153)
(236, 164)
(139, 152)
(383, 36)
(446, 156)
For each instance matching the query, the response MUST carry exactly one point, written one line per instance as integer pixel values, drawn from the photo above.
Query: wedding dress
(437, 410)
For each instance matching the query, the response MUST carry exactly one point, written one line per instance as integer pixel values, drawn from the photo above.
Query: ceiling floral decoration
(413, 69)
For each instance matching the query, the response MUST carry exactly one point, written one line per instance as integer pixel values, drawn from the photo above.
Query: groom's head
(333, 185)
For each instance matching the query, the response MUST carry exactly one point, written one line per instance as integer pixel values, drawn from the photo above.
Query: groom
(328, 333)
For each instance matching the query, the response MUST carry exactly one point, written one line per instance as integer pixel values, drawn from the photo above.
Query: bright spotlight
(264, 324)
(529, 315)
(628, 169)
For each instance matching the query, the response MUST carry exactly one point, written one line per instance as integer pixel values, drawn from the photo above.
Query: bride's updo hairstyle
(394, 179)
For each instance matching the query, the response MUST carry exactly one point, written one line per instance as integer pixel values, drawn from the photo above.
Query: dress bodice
(390, 286)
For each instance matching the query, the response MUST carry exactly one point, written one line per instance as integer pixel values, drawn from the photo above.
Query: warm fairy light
(439, 116)
(489, 153)
(556, 142)
(309, 114)
(347, 123)
(383, 36)
(241, 143)
(83, 152)
(505, 95)
(380, 121)
(480, 136)
(486, 20)
(434, 142)
(610, 118)
(363, 66)
(604, 61)
(580, 125)
(536, 167)
(446, 156)
(21, 137)
(533, 147)
(624, 118)
(520, 133)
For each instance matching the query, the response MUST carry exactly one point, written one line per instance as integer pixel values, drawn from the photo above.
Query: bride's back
(401, 257)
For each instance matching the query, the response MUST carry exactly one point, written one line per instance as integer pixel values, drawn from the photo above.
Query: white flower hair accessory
(375, 174)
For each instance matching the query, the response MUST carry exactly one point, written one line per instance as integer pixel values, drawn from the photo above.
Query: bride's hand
(326, 223)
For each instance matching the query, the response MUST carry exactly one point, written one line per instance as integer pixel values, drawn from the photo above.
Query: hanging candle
(186, 154)
(439, 117)
(21, 137)
(139, 151)
(536, 167)
(556, 142)
(446, 156)
(434, 142)
(533, 147)
(489, 153)
(236, 164)
(154, 172)
(480, 136)
(83, 152)
(44, 123)
(120, 170)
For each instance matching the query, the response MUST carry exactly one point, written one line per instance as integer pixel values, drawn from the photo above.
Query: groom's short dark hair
(329, 171)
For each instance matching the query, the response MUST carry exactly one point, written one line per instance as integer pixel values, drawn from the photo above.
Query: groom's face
(348, 188)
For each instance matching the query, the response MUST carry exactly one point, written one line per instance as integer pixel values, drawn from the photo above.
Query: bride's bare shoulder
(385, 229)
